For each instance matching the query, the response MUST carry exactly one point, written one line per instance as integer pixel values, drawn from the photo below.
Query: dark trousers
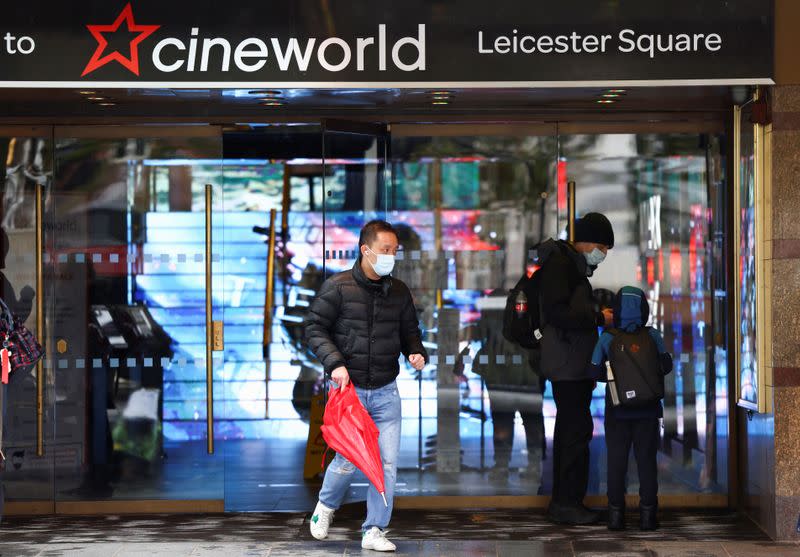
(505, 404)
(642, 434)
(573, 433)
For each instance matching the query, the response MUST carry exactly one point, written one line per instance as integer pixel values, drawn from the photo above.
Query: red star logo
(132, 62)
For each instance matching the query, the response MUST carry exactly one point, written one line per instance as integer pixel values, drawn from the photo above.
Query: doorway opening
(126, 216)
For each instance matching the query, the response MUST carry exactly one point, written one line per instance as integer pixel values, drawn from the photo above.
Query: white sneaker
(375, 539)
(321, 521)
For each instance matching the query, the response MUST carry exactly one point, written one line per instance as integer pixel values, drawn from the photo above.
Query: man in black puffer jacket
(358, 325)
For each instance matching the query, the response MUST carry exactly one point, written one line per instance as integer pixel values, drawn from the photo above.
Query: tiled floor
(429, 533)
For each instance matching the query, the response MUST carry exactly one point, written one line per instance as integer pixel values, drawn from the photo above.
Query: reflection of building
(477, 175)
(656, 191)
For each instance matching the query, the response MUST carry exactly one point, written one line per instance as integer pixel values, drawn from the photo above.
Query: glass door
(356, 186)
(272, 267)
(26, 401)
(666, 203)
(132, 298)
(470, 200)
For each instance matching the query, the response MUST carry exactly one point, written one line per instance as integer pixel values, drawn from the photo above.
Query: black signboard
(384, 43)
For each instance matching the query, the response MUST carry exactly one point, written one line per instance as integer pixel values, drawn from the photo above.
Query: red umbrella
(349, 430)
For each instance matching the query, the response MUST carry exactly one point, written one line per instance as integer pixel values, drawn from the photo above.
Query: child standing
(631, 422)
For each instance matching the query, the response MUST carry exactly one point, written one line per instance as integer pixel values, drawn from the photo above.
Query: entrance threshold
(442, 502)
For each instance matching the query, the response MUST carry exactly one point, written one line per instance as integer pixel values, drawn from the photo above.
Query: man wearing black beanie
(569, 321)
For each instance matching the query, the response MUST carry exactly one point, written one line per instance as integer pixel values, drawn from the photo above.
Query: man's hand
(416, 361)
(608, 315)
(340, 376)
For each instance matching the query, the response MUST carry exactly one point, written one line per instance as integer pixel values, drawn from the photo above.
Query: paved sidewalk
(437, 548)
(504, 533)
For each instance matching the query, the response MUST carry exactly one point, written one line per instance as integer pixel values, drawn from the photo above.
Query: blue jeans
(383, 405)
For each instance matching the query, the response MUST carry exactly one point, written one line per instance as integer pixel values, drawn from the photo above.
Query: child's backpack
(636, 367)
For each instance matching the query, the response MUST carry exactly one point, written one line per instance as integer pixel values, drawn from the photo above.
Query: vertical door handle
(209, 329)
(571, 209)
(39, 322)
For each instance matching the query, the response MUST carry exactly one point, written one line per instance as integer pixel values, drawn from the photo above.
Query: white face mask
(384, 264)
(594, 257)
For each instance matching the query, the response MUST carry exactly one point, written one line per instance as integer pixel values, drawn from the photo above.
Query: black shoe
(616, 518)
(647, 517)
(573, 514)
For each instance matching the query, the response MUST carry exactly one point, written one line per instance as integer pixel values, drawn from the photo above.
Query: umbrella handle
(385, 504)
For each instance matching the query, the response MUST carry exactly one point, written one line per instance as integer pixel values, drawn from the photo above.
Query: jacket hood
(631, 309)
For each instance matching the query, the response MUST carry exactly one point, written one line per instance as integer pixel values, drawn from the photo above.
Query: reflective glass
(26, 164)
(130, 317)
(662, 194)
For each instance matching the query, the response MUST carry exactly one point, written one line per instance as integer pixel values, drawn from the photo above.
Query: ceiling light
(106, 104)
(619, 91)
(96, 98)
(440, 102)
(610, 95)
(87, 92)
(606, 101)
(266, 92)
(274, 102)
(270, 98)
(442, 92)
(442, 97)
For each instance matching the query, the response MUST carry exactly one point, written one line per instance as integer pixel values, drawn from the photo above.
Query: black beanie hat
(594, 228)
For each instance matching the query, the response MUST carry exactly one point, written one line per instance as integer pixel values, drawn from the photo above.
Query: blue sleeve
(665, 357)
(658, 339)
(599, 356)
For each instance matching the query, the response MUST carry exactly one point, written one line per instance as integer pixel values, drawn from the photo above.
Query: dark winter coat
(571, 314)
(363, 325)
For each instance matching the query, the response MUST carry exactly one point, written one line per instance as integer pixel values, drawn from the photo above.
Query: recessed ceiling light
(106, 104)
(440, 102)
(266, 92)
(273, 103)
(87, 92)
(270, 98)
(606, 101)
(442, 97)
(610, 95)
(96, 98)
(618, 91)
(441, 92)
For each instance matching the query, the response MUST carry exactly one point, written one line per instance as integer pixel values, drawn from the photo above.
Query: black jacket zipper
(370, 338)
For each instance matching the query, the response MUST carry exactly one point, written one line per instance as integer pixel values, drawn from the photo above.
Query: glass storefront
(127, 299)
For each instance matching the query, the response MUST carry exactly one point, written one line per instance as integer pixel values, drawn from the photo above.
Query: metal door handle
(39, 322)
(209, 330)
(571, 210)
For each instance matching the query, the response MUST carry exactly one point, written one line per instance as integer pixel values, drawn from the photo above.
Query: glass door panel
(356, 191)
(664, 194)
(130, 313)
(469, 201)
(273, 262)
(26, 474)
